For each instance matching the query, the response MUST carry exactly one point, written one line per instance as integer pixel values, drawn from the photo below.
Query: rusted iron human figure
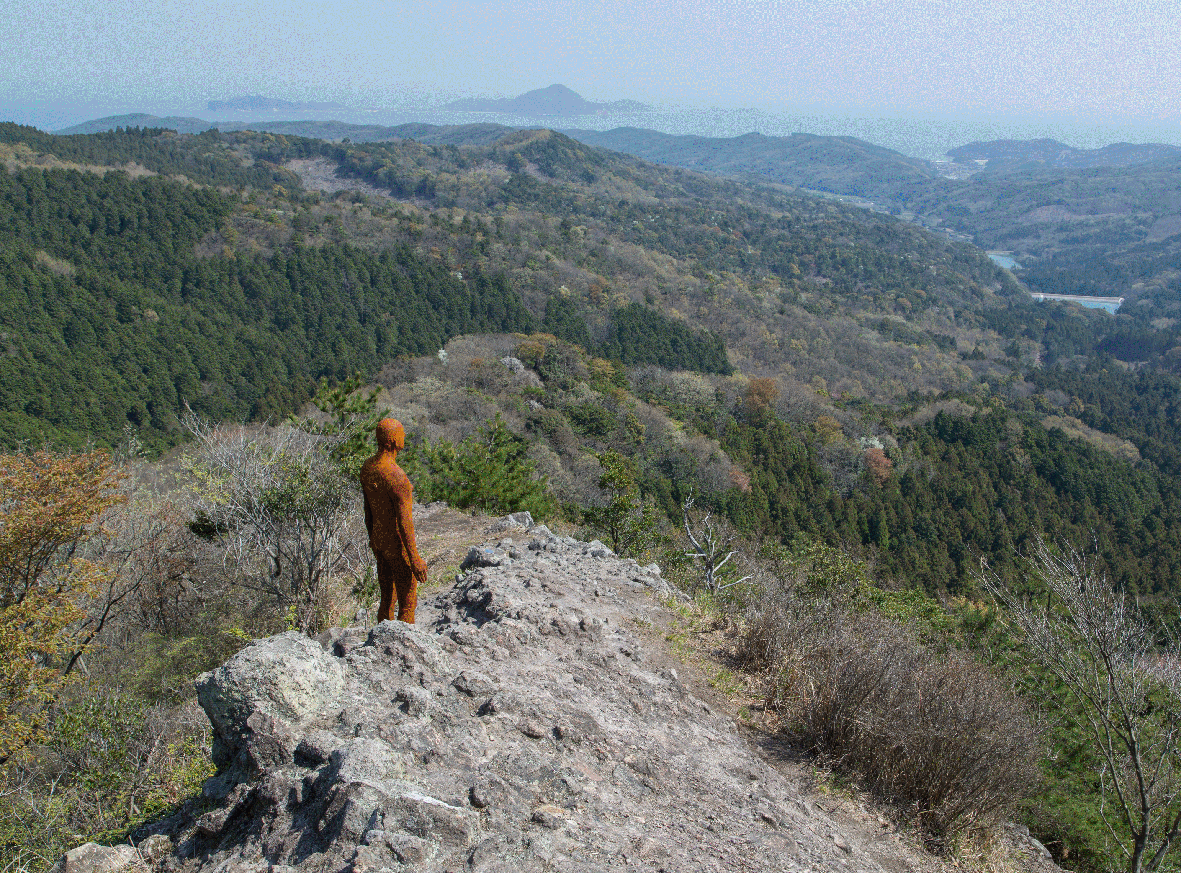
(388, 517)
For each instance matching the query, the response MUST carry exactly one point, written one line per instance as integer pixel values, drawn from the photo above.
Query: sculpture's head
(391, 436)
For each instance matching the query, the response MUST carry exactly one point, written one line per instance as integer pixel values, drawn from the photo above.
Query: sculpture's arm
(404, 506)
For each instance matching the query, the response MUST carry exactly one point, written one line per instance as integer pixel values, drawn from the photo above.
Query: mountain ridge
(840, 164)
(1008, 155)
(258, 103)
(531, 720)
(552, 100)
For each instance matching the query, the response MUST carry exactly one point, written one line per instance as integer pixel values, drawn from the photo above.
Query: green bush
(489, 471)
(627, 519)
(590, 419)
(112, 763)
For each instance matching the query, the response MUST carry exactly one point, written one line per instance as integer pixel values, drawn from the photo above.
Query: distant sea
(929, 138)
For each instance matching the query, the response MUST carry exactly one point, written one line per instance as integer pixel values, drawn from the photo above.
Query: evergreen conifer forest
(874, 413)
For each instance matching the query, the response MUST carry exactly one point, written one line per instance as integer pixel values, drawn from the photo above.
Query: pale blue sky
(1109, 60)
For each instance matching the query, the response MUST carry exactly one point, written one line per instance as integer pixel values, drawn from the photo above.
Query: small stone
(640, 764)
(154, 848)
(491, 706)
(415, 701)
(216, 788)
(211, 823)
(1039, 848)
(568, 734)
(533, 729)
(479, 796)
(549, 817)
(408, 849)
(597, 550)
(483, 557)
(473, 684)
(93, 858)
(467, 636)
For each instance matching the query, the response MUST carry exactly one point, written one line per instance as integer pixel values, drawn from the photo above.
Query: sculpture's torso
(388, 495)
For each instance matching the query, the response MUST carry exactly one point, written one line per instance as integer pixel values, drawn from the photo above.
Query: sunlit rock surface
(523, 725)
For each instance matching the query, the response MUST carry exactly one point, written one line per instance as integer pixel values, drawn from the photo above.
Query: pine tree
(489, 471)
(628, 519)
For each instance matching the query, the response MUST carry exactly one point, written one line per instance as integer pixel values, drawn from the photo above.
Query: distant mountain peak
(552, 100)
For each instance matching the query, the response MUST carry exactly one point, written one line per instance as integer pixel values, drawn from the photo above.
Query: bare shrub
(152, 555)
(1127, 685)
(932, 731)
(280, 504)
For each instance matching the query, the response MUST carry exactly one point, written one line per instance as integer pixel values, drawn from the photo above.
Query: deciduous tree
(279, 501)
(627, 518)
(49, 507)
(1094, 641)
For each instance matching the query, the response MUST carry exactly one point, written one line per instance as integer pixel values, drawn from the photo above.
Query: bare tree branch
(279, 503)
(710, 541)
(1098, 645)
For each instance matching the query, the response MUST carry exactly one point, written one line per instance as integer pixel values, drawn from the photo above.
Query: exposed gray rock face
(523, 725)
(258, 699)
(93, 858)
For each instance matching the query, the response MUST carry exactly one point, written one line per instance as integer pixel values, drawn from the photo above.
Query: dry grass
(931, 735)
(934, 732)
(15, 156)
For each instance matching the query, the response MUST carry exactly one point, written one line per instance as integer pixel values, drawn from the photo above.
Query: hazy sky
(1079, 59)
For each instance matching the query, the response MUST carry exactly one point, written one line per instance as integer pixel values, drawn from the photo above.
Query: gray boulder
(257, 699)
(93, 858)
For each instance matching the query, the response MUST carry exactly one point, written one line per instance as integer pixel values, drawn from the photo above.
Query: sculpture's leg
(407, 594)
(385, 581)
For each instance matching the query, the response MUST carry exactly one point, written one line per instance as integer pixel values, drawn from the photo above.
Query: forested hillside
(1079, 221)
(112, 320)
(131, 291)
(236, 293)
(615, 344)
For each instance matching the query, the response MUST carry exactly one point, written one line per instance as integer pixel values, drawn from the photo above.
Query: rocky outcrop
(522, 725)
(93, 858)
